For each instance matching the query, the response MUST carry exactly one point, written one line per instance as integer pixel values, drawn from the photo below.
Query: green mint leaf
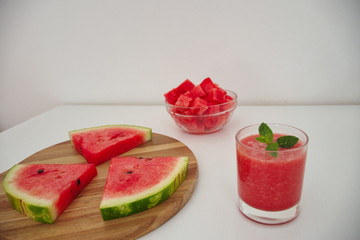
(267, 137)
(274, 146)
(261, 139)
(274, 154)
(287, 141)
(266, 133)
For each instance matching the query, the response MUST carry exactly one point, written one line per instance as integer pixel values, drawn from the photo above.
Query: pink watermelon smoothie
(266, 182)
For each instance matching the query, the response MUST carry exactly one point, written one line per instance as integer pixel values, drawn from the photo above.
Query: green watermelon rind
(117, 208)
(147, 131)
(38, 210)
(37, 213)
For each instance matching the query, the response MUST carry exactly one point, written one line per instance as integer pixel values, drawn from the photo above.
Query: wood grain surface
(82, 219)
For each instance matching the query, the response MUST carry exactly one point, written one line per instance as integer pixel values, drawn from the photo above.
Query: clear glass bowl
(202, 120)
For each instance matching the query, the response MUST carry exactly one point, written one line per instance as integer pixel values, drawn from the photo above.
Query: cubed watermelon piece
(193, 124)
(184, 100)
(227, 105)
(216, 95)
(197, 91)
(212, 109)
(200, 106)
(228, 98)
(207, 84)
(212, 122)
(172, 96)
(185, 86)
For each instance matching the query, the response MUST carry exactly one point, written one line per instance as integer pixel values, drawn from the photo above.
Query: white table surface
(330, 206)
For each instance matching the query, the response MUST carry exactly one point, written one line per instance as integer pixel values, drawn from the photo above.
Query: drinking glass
(270, 182)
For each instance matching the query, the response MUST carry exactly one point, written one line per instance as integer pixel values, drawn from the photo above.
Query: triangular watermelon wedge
(43, 191)
(137, 184)
(99, 144)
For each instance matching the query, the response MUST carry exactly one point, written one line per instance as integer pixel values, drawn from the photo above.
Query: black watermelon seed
(146, 159)
(41, 170)
(78, 181)
(129, 172)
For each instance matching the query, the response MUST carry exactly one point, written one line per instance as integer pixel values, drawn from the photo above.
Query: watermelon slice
(43, 191)
(137, 184)
(99, 144)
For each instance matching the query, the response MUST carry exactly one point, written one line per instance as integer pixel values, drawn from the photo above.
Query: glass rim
(305, 143)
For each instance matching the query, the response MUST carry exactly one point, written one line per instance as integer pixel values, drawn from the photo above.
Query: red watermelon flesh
(44, 191)
(197, 91)
(207, 84)
(172, 96)
(216, 95)
(137, 184)
(100, 144)
(186, 93)
(184, 100)
(185, 86)
(130, 175)
(200, 106)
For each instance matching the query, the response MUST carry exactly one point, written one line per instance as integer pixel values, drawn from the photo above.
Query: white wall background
(131, 52)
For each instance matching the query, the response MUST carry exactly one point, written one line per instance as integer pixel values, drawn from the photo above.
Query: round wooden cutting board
(82, 219)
